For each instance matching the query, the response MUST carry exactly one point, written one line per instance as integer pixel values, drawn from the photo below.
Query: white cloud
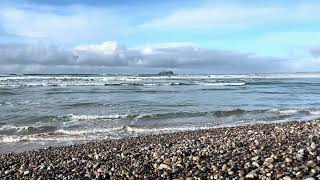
(72, 24)
(315, 52)
(222, 15)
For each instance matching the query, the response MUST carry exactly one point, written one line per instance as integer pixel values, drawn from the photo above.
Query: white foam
(10, 139)
(95, 117)
(224, 84)
(12, 127)
(314, 112)
(288, 112)
(285, 112)
(164, 129)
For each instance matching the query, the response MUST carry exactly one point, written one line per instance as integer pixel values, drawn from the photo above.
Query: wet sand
(288, 150)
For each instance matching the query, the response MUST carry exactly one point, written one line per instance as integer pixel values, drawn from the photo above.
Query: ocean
(38, 111)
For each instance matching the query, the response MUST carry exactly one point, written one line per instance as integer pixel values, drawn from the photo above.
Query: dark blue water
(42, 110)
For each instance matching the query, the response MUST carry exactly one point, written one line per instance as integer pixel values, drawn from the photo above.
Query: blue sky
(213, 36)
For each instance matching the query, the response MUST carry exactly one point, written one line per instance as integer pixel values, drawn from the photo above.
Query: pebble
(26, 173)
(309, 178)
(164, 166)
(269, 160)
(255, 164)
(167, 162)
(255, 158)
(246, 152)
(288, 160)
(313, 145)
(249, 176)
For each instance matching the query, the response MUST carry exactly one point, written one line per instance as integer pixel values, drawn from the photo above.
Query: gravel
(265, 151)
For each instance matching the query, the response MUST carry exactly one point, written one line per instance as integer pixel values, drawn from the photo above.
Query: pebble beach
(289, 150)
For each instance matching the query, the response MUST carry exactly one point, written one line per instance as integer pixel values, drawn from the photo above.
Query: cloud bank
(112, 54)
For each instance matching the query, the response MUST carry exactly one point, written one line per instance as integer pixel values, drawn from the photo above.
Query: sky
(124, 36)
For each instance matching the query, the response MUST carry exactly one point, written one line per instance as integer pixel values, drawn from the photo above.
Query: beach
(289, 150)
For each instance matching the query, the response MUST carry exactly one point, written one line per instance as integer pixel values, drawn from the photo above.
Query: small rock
(25, 173)
(255, 158)
(164, 166)
(288, 160)
(230, 173)
(214, 168)
(167, 162)
(310, 163)
(241, 173)
(195, 158)
(256, 142)
(269, 160)
(286, 178)
(250, 176)
(301, 151)
(299, 156)
(155, 155)
(255, 164)
(224, 167)
(313, 146)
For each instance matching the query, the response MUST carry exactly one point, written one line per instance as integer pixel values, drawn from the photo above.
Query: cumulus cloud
(111, 54)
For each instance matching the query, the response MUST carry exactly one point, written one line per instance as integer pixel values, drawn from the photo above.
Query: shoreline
(263, 151)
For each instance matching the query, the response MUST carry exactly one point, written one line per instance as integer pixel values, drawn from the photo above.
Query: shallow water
(42, 110)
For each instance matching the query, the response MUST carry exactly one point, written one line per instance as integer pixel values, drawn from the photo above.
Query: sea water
(46, 110)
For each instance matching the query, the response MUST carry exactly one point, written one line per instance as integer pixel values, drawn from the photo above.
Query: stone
(230, 173)
(224, 167)
(214, 168)
(167, 162)
(249, 176)
(255, 164)
(313, 145)
(25, 173)
(286, 178)
(301, 151)
(255, 158)
(288, 160)
(164, 166)
(269, 160)
(256, 142)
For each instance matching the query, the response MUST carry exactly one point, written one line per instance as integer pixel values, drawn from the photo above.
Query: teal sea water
(44, 110)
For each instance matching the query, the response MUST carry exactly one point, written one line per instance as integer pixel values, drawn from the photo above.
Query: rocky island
(166, 73)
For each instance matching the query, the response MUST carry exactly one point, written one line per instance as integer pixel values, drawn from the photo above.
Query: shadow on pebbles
(268, 151)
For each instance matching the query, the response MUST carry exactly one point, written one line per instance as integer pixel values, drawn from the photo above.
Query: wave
(170, 115)
(83, 104)
(64, 125)
(25, 130)
(97, 117)
(295, 111)
(123, 84)
(67, 135)
(7, 93)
